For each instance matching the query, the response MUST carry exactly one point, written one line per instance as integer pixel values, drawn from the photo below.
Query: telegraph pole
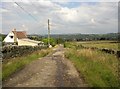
(48, 32)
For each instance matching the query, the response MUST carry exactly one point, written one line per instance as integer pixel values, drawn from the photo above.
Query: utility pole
(48, 32)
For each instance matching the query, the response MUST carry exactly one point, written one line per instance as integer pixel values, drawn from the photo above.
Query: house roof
(20, 34)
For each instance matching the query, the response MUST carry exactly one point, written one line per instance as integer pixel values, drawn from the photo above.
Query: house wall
(26, 43)
(8, 39)
(21, 42)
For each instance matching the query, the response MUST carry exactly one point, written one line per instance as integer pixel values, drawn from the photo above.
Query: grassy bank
(18, 63)
(98, 68)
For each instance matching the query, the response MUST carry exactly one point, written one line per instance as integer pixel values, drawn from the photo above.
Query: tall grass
(98, 68)
(18, 63)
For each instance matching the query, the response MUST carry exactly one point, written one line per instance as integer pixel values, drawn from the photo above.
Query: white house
(20, 38)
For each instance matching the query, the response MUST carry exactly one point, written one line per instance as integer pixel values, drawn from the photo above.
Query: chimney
(15, 36)
(14, 29)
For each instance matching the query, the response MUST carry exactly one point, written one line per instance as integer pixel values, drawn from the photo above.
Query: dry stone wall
(16, 51)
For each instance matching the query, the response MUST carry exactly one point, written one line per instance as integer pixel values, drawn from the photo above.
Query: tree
(53, 41)
(59, 41)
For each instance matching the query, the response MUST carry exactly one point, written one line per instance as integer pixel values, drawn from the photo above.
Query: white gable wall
(21, 42)
(9, 39)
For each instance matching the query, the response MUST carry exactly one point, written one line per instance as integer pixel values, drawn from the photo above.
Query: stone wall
(106, 50)
(16, 51)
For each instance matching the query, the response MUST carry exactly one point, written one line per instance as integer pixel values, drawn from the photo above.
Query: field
(99, 69)
(101, 44)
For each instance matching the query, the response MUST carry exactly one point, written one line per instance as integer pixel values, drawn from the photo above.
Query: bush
(53, 41)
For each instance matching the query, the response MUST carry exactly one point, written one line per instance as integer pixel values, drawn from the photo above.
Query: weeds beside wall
(16, 51)
(106, 50)
(99, 68)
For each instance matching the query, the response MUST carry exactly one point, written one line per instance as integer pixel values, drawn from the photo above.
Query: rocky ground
(53, 70)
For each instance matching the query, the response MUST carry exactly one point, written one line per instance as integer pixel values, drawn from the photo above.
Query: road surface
(53, 70)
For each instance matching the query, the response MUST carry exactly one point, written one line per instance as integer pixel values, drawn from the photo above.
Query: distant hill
(78, 37)
(71, 37)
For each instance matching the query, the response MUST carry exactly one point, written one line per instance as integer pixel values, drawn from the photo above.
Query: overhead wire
(38, 12)
(26, 11)
(36, 8)
(31, 14)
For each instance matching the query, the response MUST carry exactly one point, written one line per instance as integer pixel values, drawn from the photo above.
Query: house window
(11, 37)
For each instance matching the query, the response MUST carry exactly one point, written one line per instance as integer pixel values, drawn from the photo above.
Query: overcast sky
(65, 17)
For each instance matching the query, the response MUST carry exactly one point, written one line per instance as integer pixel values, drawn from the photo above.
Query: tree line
(61, 38)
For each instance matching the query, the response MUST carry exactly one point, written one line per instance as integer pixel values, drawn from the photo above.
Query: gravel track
(53, 70)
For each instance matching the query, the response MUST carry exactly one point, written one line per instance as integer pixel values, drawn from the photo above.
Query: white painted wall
(8, 38)
(22, 42)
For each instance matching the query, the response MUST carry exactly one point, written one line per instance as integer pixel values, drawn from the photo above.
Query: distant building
(20, 38)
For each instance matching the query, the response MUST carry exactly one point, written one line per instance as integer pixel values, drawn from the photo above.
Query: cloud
(35, 12)
(83, 18)
(93, 20)
(3, 10)
(68, 14)
(45, 3)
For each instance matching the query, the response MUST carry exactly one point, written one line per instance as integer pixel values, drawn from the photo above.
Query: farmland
(101, 44)
(99, 69)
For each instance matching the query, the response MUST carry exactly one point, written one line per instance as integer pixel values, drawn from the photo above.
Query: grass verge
(18, 63)
(99, 69)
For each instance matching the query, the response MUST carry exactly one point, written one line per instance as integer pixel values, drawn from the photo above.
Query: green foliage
(72, 45)
(35, 37)
(99, 69)
(59, 41)
(53, 41)
(2, 37)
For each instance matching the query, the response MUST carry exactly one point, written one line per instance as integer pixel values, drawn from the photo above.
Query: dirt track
(51, 71)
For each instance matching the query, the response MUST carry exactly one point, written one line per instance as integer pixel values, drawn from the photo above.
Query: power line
(29, 13)
(32, 4)
(26, 11)
(41, 24)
